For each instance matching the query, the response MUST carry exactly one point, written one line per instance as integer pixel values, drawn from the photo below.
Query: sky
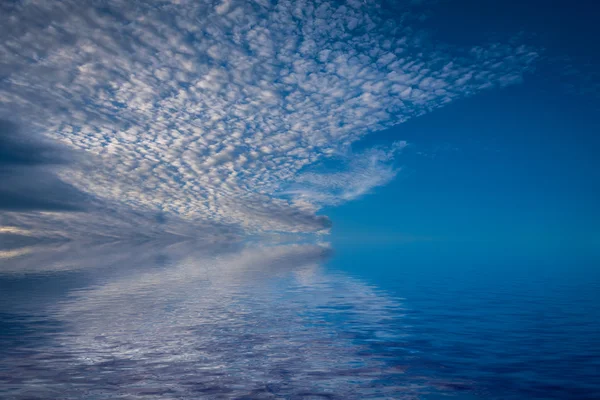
(461, 122)
(508, 172)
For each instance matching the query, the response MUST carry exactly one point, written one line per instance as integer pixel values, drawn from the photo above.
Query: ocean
(296, 321)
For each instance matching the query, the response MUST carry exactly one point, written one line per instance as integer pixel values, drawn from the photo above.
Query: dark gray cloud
(17, 148)
(28, 180)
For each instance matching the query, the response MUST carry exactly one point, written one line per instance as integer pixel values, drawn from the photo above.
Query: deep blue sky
(514, 169)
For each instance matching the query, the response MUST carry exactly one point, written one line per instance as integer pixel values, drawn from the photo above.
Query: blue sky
(529, 178)
(419, 120)
(511, 170)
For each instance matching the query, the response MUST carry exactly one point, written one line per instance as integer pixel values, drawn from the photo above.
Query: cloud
(358, 175)
(205, 112)
(27, 179)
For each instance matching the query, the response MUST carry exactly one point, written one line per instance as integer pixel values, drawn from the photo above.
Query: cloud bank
(27, 178)
(209, 112)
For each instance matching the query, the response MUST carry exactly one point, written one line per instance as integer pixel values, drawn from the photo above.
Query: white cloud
(358, 176)
(206, 112)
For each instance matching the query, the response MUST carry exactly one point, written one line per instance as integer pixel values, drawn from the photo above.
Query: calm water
(263, 321)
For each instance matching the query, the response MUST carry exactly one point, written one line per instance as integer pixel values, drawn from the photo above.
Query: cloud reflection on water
(241, 321)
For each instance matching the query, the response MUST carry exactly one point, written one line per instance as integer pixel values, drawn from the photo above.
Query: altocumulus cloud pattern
(209, 113)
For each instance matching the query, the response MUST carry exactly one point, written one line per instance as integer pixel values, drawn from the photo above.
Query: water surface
(264, 321)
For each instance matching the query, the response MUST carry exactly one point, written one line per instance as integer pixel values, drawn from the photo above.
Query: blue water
(296, 322)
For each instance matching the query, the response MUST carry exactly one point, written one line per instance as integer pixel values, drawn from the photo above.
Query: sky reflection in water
(260, 321)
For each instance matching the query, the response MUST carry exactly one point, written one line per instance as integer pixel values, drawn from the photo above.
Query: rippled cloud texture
(211, 114)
